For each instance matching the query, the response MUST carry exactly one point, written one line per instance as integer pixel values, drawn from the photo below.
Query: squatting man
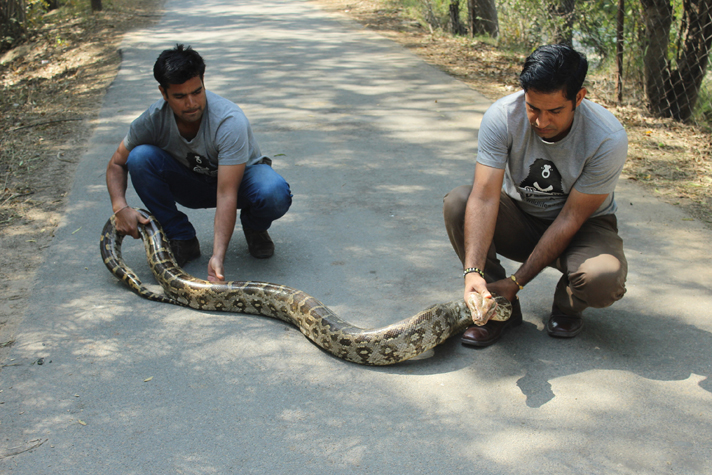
(195, 148)
(547, 165)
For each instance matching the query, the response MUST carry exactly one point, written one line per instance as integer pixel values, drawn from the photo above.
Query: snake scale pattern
(383, 346)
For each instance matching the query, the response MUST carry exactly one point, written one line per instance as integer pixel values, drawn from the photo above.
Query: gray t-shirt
(539, 175)
(225, 136)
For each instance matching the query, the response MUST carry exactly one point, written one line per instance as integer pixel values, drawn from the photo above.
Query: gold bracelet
(514, 279)
(127, 206)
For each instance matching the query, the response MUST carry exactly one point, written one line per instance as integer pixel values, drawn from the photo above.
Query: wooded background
(657, 50)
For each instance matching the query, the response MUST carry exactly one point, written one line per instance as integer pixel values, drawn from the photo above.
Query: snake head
(481, 308)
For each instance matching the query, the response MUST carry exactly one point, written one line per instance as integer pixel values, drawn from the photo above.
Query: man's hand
(478, 298)
(474, 282)
(216, 273)
(478, 295)
(127, 221)
(505, 288)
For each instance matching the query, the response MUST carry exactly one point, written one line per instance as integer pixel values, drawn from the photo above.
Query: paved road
(370, 138)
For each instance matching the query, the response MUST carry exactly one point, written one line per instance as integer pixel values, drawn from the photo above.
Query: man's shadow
(652, 346)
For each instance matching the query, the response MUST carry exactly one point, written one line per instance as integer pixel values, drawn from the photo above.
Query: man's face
(187, 100)
(551, 114)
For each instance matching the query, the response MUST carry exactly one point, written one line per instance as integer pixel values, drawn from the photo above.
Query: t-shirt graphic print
(542, 186)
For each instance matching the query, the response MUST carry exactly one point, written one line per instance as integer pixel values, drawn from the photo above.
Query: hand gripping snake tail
(383, 346)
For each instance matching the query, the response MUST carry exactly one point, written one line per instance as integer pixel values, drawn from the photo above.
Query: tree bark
(674, 92)
(456, 28)
(693, 60)
(96, 6)
(657, 17)
(12, 21)
(619, 49)
(565, 10)
(482, 18)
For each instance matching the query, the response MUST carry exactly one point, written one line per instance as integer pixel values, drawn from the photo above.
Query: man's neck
(188, 130)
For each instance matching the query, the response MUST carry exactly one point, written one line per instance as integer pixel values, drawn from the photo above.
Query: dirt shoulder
(53, 86)
(52, 89)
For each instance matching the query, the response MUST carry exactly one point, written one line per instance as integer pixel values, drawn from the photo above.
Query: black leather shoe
(561, 325)
(490, 332)
(259, 243)
(185, 250)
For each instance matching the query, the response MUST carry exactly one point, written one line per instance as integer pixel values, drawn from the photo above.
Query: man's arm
(480, 220)
(117, 173)
(578, 208)
(229, 179)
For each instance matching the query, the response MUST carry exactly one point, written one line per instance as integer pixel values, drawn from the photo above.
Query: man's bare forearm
(480, 220)
(225, 218)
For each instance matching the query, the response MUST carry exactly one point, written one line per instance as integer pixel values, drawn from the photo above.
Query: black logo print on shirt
(201, 165)
(543, 178)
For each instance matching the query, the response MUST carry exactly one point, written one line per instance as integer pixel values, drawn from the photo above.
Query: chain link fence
(653, 53)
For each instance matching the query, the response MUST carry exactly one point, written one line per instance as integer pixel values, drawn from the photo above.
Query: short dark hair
(178, 65)
(552, 68)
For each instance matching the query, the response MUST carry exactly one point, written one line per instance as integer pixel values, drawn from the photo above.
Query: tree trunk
(687, 79)
(674, 92)
(456, 28)
(482, 18)
(657, 16)
(96, 5)
(563, 9)
(619, 49)
(12, 21)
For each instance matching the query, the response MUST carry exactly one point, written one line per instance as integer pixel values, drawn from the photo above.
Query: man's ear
(163, 93)
(579, 97)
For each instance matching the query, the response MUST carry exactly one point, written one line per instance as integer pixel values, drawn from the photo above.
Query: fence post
(619, 49)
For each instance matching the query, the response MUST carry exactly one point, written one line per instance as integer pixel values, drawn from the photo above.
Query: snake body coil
(384, 346)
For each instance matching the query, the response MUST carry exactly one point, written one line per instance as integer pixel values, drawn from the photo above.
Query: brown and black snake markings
(383, 346)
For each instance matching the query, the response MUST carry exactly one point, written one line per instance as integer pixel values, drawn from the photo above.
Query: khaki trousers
(593, 265)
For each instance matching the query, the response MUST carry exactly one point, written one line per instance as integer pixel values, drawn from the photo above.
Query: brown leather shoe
(259, 243)
(490, 332)
(561, 325)
(185, 250)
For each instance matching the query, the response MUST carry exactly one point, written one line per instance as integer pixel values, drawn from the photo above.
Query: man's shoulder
(509, 101)
(599, 117)
(217, 101)
(221, 108)
(156, 112)
(507, 109)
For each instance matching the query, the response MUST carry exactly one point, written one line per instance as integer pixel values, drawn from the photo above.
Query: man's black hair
(178, 65)
(552, 68)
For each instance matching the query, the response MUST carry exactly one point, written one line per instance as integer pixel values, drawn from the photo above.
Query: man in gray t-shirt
(197, 149)
(543, 194)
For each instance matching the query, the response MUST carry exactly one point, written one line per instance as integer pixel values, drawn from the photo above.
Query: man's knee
(599, 281)
(141, 157)
(454, 204)
(274, 198)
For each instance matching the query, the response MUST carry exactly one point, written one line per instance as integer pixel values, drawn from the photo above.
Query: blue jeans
(161, 182)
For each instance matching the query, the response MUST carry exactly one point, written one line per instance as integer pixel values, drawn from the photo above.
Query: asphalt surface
(370, 139)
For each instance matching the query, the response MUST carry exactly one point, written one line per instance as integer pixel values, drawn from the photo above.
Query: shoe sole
(555, 334)
(484, 344)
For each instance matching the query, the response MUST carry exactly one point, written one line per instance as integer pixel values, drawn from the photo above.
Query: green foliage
(703, 111)
(526, 24)
(435, 13)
